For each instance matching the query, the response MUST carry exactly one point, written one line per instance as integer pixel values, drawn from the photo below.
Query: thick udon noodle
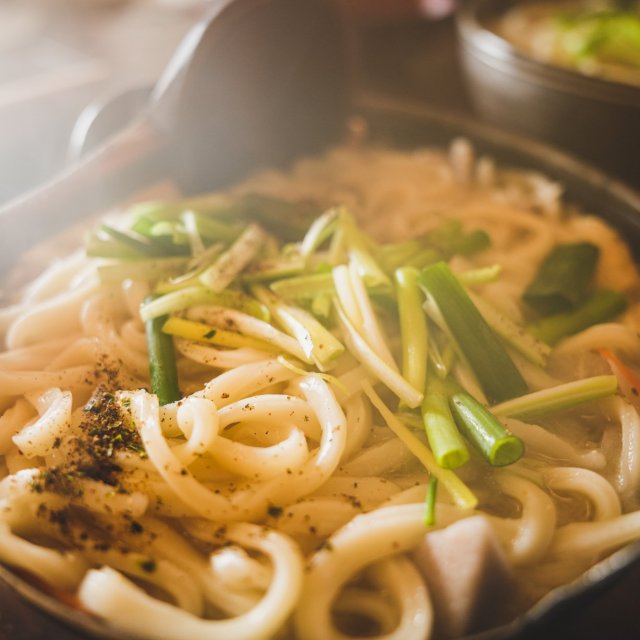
(260, 471)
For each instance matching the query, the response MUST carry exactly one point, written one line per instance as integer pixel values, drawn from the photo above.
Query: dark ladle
(255, 83)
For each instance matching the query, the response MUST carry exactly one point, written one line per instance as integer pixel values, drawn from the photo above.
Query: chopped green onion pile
(223, 273)
(563, 278)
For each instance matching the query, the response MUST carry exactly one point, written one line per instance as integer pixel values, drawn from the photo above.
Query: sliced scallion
(399, 254)
(163, 371)
(497, 445)
(480, 275)
(457, 489)
(317, 343)
(274, 269)
(144, 246)
(196, 241)
(222, 272)
(451, 239)
(602, 306)
(191, 296)
(214, 230)
(142, 214)
(99, 245)
(413, 327)
(199, 332)
(170, 232)
(321, 229)
(347, 297)
(194, 268)
(305, 287)
(321, 306)
(430, 502)
(375, 365)
(371, 327)
(359, 250)
(512, 333)
(441, 358)
(444, 438)
(564, 396)
(475, 341)
(249, 326)
(563, 278)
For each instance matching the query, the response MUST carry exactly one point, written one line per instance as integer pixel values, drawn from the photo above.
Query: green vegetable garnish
(475, 341)
(563, 278)
(444, 438)
(318, 344)
(162, 362)
(430, 502)
(196, 295)
(227, 266)
(564, 396)
(451, 239)
(413, 327)
(603, 305)
(497, 445)
(457, 489)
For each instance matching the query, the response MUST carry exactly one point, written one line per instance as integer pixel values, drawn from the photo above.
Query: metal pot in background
(596, 119)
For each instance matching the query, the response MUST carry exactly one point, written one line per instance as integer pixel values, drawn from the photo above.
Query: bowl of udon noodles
(387, 391)
(565, 72)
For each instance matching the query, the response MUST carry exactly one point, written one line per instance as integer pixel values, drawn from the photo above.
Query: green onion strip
(318, 343)
(162, 362)
(375, 365)
(222, 272)
(444, 438)
(564, 396)
(457, 489)
(413, 327)
(430, 502)
(497, 445)
(476, 342)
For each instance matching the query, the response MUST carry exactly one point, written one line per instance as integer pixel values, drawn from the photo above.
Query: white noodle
(207, 509)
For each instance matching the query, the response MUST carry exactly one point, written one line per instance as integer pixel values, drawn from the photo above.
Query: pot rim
(488, 47)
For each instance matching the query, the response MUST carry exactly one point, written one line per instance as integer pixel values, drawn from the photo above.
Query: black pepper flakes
(104, 430)
(135, 527)
(274, 511)
(149, 566)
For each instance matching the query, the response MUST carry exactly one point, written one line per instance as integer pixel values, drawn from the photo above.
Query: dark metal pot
(593, 118)
(586, 608)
